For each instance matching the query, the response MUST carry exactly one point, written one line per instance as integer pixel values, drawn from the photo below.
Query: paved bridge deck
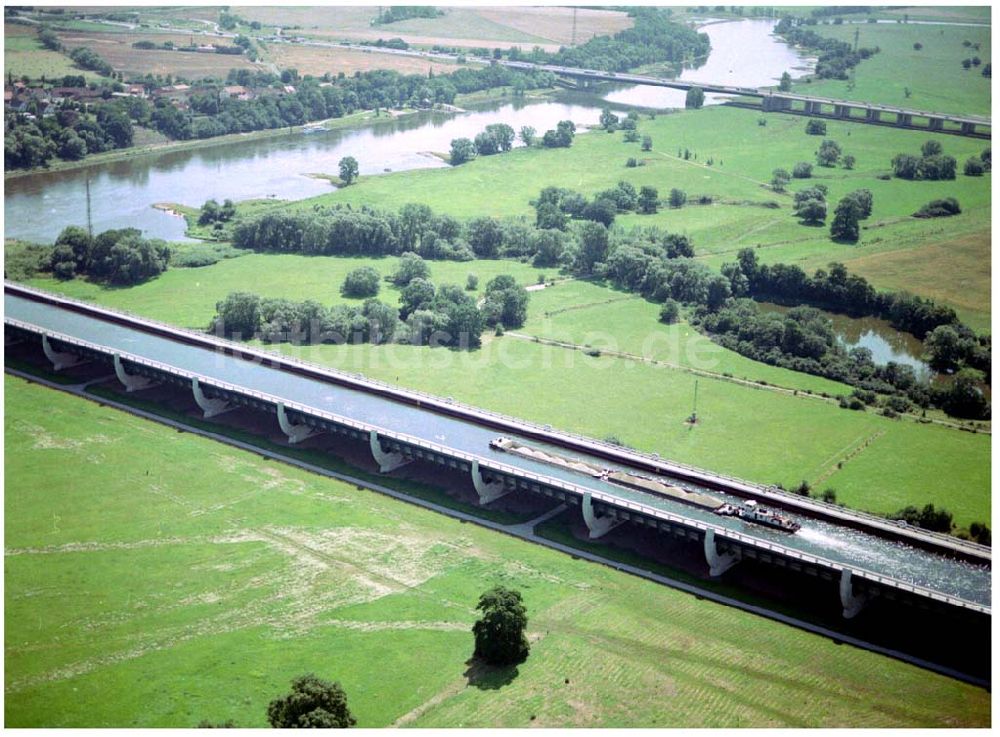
(772, 99)
(869, 556)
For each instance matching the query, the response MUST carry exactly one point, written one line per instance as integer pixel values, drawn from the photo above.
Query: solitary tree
(348, 169)
(647, 143)
(527, 135)
(695, 98)
(648, 199)
(786, 82)
(802, 170)
(313, 703)
(829, 152)
(848, 161)
(816, 127)
(677, 197)
(845, 226)
(462, 150)
(361, 282)
(499, 632)
(608, 121)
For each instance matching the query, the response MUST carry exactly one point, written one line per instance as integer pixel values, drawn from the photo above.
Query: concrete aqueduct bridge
(862, 556)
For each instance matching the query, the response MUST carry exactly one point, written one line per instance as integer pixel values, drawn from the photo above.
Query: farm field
(116, 48)
(933, 74)
(319, 61)
(260, 572)
(468, 27)
(24, 55)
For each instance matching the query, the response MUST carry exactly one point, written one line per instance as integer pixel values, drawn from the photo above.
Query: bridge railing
(491, 464)
(654, 459)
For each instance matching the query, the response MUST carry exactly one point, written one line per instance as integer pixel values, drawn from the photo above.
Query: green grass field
(187, 297)
(187, 581)
(934, 74)
(745, 154)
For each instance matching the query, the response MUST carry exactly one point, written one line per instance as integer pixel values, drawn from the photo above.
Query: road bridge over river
(863, 557)
(788, 102)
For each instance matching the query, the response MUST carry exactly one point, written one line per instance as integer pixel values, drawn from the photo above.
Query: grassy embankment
(254, 572)
(934, 74)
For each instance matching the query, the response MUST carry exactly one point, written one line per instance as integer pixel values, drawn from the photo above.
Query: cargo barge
(749, 511)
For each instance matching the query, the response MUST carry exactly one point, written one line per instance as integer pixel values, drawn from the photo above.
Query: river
(37, 207)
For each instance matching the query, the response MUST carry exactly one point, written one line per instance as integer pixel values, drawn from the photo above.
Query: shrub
(472, 282)
(361, 282)
(816, 128)
(939, 208)
(974, 167)
(802, 170)
(669, 312)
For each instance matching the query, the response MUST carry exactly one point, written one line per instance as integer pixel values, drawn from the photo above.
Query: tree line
(835, 58)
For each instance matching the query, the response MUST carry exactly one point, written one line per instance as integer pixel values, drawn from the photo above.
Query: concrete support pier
(59, 359)
(968, 128)
(488, 491)
(873, 115)
(132, 383)
(935, 124)
(718, 562)
(904, 119)
(853, 603)
(210, 407)
(598, 526)
(386, 461)
(295, 433)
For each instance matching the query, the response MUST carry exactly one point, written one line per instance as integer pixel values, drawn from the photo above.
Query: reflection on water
(744, 53)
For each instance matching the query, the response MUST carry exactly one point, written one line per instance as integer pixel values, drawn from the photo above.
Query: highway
(855, 549)
(627, 78)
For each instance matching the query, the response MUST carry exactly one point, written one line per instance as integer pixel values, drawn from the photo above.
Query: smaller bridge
(788, 102)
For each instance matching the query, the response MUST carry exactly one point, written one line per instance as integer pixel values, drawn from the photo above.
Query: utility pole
(694, 410)
(90, 224)
(857, 32)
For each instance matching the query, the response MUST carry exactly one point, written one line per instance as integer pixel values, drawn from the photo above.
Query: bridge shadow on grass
(488, 677)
